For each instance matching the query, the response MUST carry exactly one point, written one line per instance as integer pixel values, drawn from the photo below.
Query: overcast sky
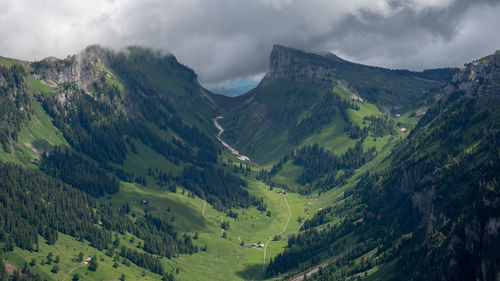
(227, 39)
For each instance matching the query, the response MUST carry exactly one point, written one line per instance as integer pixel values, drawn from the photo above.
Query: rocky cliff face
(291, 64)
(79, 69)
(449, 171)
(394, 90)
(479, 78)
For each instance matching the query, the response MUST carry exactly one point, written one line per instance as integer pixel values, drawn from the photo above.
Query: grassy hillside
(291, 106)
(414, 213)
(352, 176)
(38, 134)
(46, 128)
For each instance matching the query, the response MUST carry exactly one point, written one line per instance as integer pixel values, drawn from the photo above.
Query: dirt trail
(305, 218)
(308, 273)
(284, 229)
(30, 146)
(73, 269)
(204, 206)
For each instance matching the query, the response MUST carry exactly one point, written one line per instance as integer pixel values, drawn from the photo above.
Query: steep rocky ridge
(79, 69)
(285, 63)
(395, 90)
(103, 101)
(135, 73)
(479, 78)
(443, 184)
(295, 86)
(434, 204)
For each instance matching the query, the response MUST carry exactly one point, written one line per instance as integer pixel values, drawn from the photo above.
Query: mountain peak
(277, 47)
(78, 68)
(297, 65)
(480, 78)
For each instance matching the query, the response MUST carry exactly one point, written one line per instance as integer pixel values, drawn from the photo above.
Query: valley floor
(229, 258)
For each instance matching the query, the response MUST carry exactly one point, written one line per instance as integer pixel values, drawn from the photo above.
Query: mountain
(431, 212)
(355, 172)
(235, 88)
(447, 174)
(97, 127)
(140, 72)
(289, 105)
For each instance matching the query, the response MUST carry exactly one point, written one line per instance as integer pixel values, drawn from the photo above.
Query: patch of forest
(15, 104)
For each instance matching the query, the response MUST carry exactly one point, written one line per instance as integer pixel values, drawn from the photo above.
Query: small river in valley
(221, 130)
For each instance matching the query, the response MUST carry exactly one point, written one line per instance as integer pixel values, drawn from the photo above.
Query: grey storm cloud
(228, 39)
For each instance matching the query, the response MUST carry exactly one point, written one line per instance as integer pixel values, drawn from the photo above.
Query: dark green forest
(14, 104)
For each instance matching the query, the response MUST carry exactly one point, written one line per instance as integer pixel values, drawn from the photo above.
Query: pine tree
(93, 264)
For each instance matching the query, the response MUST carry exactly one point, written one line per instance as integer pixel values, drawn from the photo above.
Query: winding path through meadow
(284, 229)
(73, 269)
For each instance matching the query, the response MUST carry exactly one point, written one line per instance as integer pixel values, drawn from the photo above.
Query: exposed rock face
(393, 90)
(459, 220)
(78, 69)
(286, 63)
(479, 78)
(3, 83)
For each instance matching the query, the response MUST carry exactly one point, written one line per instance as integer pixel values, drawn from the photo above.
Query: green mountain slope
(128, 131)
(365, 173)
(449, 170)
(432, 212)
(295, 100)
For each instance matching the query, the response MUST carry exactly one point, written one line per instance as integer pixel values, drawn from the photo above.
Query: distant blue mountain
(235, 87)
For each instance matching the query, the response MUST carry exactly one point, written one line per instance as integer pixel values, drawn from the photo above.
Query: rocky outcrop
(479, 78)
(290, 64)
(455, 193)
(78, 69)
(394, 90)
(3, 83)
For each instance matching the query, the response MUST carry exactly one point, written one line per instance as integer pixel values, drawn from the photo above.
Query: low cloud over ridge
(226, 39)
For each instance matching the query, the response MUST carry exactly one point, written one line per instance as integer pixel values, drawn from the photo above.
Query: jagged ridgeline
(303, 92)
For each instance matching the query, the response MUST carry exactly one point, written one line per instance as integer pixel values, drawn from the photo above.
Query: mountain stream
(233, 151)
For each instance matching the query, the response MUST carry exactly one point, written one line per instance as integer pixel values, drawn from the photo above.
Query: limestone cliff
(479, 78)
(292, 64)
(80, 69)
(394, 90)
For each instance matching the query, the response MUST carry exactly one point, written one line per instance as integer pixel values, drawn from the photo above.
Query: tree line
(321, 167)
